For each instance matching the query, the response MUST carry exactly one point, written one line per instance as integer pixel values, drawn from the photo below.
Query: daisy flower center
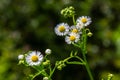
(61, 28)
(72, 38)
(75, 31)
(84, 20)
(34, 58)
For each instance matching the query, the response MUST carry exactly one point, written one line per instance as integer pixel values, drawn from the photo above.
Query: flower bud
(63, 65)
(68, 11)
(48, 51)
(45, 78)
(110, 76)
(46, 62)
(20, 57)
(71, 8)
(89, 34)
(59, 67)
(21, 62)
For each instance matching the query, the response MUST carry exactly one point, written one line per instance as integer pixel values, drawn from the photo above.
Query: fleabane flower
(85, 20)
(72, 38)
(75, 29)
(79, 25)
(34, 58)
(62, 29)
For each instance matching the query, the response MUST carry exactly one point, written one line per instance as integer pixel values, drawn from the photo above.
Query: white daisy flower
(79, 25)
(85, 20)
(34, 58)
(62, 29)
(48, 51)
(72, 38)
(20, 57)
(75, 29)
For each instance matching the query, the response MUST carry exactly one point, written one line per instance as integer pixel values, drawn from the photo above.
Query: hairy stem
(88, 68)
(84, 52)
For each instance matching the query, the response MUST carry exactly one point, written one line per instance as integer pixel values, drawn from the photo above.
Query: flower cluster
(72, 33)
(33, 58)
(68, 11)
(76, 35)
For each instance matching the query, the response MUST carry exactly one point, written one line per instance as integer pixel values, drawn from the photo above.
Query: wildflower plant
(40, 63)
(75, 35)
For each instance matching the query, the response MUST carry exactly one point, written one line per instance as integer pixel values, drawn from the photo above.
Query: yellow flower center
(84, 20)
(72, 38)
(34, 58)
(75, 31)
(61, 28)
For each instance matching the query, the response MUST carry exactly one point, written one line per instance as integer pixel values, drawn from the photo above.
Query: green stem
(77, 45)
(87, 67)
(39, 69)
(50, 68)
(36, 75)
(84, 51)
(67, 58)
(80, 59)
(51, 72)
(73, 17)
(75, 62)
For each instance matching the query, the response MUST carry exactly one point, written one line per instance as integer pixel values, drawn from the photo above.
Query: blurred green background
(29, 25)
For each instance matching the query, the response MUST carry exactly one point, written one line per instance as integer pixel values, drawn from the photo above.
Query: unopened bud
(68, 11)
(20, 57)
(63, 65)
(89, 34)
(59, 67)
(110, 76)
(46, 62)
(45, 78)
(21, 62)
(72, 8)
(48, 51)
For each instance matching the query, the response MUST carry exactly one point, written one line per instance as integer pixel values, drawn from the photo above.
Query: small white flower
(34, 58)
(79, 25)
(75, 29)
(62, 29)
(20, 57)
(48, 51)
(72, 38)
(85, 20)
